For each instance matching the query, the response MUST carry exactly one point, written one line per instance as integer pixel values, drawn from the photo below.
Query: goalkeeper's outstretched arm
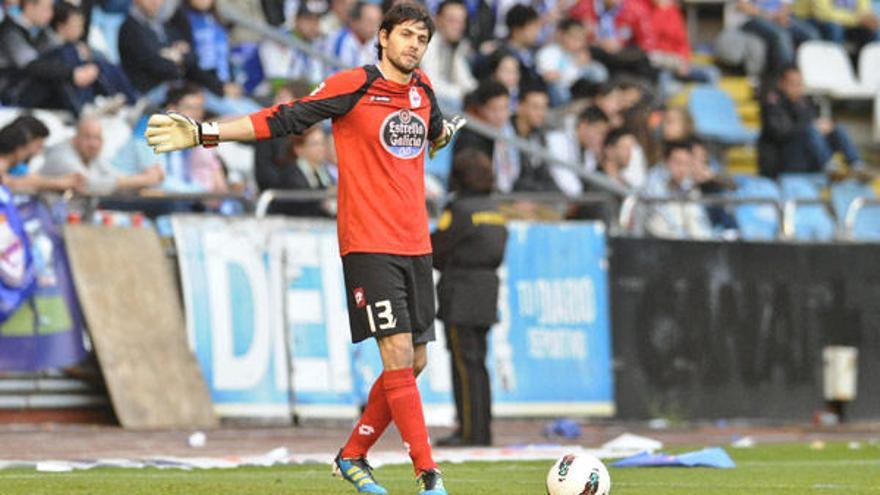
(173, 131)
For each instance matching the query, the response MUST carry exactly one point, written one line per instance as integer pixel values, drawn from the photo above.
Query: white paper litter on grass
(629, 442)
(282, 456)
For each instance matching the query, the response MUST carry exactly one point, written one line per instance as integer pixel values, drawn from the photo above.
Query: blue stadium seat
(757, 221)
(867, 226)
(715, 117)
(812, 222)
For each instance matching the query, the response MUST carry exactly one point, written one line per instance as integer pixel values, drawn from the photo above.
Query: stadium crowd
(589, 80)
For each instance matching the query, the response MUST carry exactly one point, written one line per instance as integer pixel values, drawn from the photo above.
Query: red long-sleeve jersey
(381, 129)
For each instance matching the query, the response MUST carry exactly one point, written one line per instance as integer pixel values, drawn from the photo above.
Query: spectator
(794, 139)
(676, 124)
(284, 63)
(772, 21)
(528, 122)
(355, 44)
(841, 21)
(621, 34)
(27, 77)
(505, 69)
(446, 60)
(584, 149)
(738, 49)
(153, 58)
(17, 176)
(609, 99)
(69, 50)
(481, 25)
(491, 105)
(190, 171)
(302, 167)
(711, 182)
(672, 49)
(673, 179)
(271, 153)
(337, 16)
(196, 23)
(623, 159)
(524, 27)
(567, 60)
(82, 155)
(13, 147)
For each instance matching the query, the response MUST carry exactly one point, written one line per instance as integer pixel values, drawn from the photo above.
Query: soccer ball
(578, 474)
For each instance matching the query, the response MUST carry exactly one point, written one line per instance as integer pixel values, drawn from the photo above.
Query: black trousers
(470, 380)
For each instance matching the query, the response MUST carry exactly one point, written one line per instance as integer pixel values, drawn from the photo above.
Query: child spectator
(567, 60)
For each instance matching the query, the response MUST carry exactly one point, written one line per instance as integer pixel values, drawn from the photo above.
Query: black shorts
(389, 294)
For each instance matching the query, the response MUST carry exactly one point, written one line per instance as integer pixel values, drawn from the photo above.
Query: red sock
(374, 420)
(406, 409)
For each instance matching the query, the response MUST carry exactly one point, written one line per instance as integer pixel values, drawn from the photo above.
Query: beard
(400, 65)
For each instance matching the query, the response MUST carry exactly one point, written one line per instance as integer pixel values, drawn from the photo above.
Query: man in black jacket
(794, 139)
(468, 248)
(27, 77)
(491, 103)
(528, 122)
(152, 55)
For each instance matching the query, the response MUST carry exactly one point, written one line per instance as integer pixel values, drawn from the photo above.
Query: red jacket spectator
(670, 32)
(632, 21)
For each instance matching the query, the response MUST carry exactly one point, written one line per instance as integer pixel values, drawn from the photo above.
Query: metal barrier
(607, 201)
(789, 215)
(852, 214)
(628, 212)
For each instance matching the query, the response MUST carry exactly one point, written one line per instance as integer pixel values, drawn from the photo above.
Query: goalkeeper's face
(405, 45)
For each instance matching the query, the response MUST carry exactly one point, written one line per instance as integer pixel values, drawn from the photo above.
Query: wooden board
(131, 303)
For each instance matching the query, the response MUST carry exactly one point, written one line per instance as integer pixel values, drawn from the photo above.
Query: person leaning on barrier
(468, 249)
(81, 155)
(19, 177)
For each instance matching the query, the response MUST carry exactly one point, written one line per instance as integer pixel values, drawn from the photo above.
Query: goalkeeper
(384, 117)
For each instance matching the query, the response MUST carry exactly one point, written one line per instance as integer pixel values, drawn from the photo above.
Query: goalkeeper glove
(173, 131)
(450, 127)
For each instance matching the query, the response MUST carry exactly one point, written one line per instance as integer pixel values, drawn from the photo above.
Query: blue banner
(231, 279)
(47, 330)
(250, 286)
(551, 352)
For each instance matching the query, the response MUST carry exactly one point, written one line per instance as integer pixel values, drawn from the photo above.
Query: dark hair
(784, 71)
(33, 127)
(178, 92)
(531, 86)
(606, 89)
(472, 172)
(12, 137)
(62, 13)
(583, 88)
(520, 15)
(568, 23)
(405, 12)
(488, 90)
(592, 115)
(447, 3)
(615, 135)
(670, 147)
(496, 57)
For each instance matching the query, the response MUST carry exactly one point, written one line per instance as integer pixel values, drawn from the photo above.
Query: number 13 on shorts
(384, 315)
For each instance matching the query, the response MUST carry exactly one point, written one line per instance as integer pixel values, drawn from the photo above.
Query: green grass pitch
(776, 469)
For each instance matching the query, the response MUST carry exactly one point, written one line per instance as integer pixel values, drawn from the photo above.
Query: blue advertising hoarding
(550, 354)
